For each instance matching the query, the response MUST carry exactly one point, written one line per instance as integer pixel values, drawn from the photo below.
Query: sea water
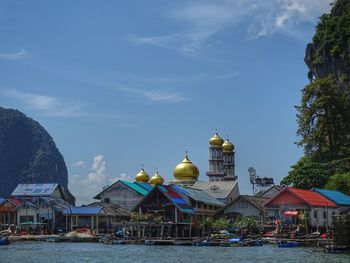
(51, 252)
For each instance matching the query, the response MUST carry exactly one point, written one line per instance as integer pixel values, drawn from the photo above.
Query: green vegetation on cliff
(28, 154)
(324, 112)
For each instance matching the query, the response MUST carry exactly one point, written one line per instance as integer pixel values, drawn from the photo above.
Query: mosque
(221, 166)
(222, 183)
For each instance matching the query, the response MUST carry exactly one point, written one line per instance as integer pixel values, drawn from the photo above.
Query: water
(90, 252)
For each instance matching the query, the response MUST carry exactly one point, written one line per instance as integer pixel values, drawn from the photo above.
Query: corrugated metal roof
(82, 210)
(15, 201)
(146, 186)
(34, 189)
(338, 197)
(312, 198)
(176, 199)
(142, 189)
(112, 209)
(219, 190)
(135, 187)
(198, 195)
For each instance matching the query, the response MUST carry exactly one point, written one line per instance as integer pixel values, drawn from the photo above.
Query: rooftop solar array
(34, 189)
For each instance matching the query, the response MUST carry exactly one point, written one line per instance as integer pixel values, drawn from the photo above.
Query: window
(205, 206)
(243, 204)
(315, 214)
(210, 207)
(324, 215)
(106, 200)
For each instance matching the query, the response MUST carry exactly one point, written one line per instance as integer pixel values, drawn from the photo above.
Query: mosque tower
(221, 160)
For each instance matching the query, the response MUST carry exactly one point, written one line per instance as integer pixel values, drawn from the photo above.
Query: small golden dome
(228, 146)
(156, 179)
(142, 177)
(186, 171)
(216, 140)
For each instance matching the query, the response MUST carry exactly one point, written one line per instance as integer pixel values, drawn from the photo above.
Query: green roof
(134, 186)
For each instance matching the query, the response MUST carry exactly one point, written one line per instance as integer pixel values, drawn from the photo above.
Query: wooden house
(124, 194)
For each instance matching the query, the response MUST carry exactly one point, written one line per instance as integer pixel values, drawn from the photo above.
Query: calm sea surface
(89, 252)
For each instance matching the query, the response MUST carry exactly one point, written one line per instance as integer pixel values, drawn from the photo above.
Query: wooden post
(77, 221)
(175, 214)
(71, 222)
(161, 231)
(66, 223)
(191, 226)
(92, 223)
(97, 224)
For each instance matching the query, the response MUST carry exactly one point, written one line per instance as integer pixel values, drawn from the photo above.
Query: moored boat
(287, 244)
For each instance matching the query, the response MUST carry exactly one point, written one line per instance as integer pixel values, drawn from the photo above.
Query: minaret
(216, 162)
(229, 160)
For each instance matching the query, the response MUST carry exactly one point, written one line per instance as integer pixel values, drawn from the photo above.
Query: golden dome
(186, 171)
(216, 140)
(228, 146)
(142, 177)
(156, 179)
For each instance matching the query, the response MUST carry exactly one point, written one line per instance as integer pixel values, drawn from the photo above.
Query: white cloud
(50, 106)
(85, 187)
(78, 164)
(155, 95)
(21, 54)
(201, 20)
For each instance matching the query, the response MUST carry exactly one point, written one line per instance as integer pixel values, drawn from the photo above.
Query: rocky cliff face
(329, 52)
(28, 153)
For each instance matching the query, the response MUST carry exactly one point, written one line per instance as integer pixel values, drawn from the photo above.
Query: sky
(119, 84)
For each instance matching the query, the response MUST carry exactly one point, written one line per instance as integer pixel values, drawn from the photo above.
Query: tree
(324, 120)
(339, 182)
(306, 174)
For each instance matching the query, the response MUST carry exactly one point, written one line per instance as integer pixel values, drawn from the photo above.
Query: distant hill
(28, 153)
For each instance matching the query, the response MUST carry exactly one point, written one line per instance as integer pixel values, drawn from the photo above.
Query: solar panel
(34, 189)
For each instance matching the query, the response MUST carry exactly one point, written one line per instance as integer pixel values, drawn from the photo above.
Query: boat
(253, 243)
(287, 244)
(119, 242)
(4, 241)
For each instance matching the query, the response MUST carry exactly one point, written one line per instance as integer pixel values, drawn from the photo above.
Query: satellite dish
(252, 174)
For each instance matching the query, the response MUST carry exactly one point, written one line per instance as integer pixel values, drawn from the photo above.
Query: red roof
(15, 201)
(309, 197)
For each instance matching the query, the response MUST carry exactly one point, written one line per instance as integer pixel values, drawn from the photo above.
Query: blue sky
(121, 83)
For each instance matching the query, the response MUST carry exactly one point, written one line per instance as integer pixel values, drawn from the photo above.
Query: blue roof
(1, 200)
(175, 197)
(82, 210)
(147, 186)
(34, 189)
(337, 197)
